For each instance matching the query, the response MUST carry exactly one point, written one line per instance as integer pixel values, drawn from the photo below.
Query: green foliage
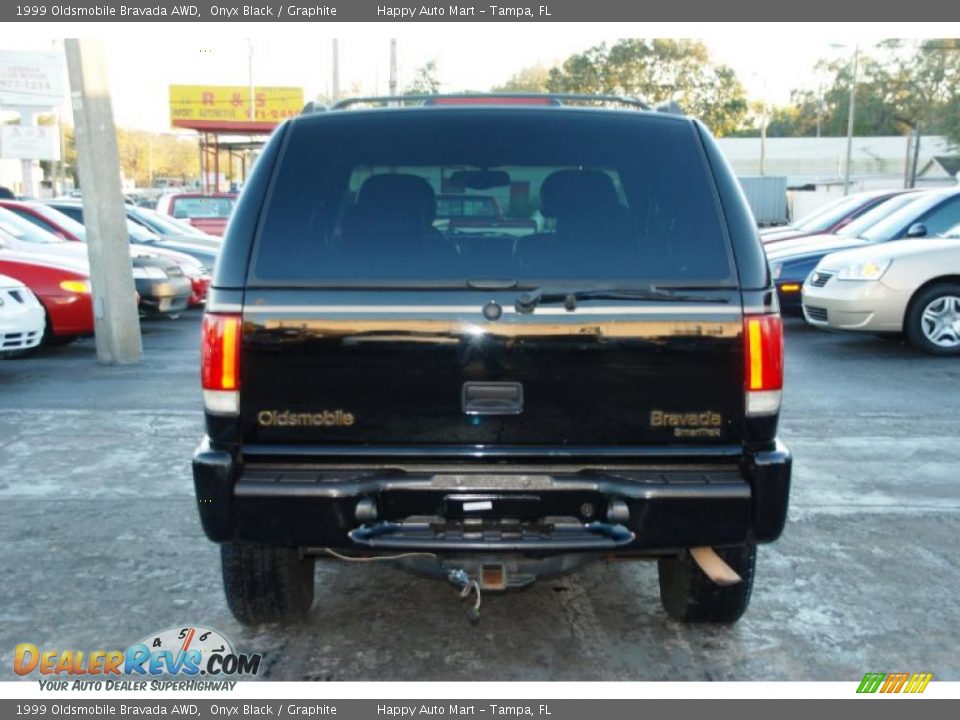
(144, 153)
(900, 85)
(425, 80)
(658, 71)
(532, 79)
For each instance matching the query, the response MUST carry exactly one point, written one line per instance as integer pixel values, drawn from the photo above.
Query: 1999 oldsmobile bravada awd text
(503, 405)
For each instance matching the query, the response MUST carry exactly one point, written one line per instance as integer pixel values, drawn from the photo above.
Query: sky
(144, 59)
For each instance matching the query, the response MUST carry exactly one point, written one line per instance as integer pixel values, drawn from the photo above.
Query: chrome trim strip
(477, 309)
(224, 307)
(726, 490)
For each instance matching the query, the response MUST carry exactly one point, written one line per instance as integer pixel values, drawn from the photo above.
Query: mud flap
(714, 567)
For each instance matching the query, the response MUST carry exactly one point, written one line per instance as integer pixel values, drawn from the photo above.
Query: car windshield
(896, 223)
(24, 230)
(64, 221)
(202, 207)
(466, 207)
(826, 217)
(859, 227)
(952, 233)
(140, 234)
(162, 224)
(365, 199)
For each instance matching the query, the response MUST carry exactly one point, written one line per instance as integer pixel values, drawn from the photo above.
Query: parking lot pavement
(100, 544)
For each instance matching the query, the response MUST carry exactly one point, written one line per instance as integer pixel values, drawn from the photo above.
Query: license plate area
(468, 505)
(585, 505)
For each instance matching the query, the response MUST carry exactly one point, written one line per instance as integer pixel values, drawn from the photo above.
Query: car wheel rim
(940, 321)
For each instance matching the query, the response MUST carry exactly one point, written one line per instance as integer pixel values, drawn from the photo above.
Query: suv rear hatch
(366, 324)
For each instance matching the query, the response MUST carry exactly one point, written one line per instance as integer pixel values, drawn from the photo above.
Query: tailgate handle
(492, 398)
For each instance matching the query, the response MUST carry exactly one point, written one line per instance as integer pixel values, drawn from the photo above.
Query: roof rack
(550, 98)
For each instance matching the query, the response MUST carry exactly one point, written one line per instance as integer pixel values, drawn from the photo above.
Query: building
(814, 167)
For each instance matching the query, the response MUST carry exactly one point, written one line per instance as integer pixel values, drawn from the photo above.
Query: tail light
(763, 355)
(220, 363)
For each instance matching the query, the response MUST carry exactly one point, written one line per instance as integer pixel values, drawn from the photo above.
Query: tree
(533, 79)
(920, 83)
(900, 86)
(425, 80)
(658, 71)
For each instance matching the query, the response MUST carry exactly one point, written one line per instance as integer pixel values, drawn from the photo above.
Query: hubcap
(940, 321)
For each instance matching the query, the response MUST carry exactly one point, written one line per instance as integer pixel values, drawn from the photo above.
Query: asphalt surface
(100, 543)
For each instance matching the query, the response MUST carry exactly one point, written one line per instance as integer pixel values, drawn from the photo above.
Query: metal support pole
(850, 117)
(763, 130)
(906, 160)
(253, 109)
(336, 70)
(916, 156)
(116, 324)
(28, 168)
(393, 67)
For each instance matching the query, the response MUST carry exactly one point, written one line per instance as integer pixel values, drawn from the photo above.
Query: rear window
(453, 207)
(402, 198)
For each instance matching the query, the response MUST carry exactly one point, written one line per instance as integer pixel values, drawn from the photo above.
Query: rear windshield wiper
(528, 301)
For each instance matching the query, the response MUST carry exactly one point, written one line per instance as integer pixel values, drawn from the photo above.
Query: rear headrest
(567, 192)
(398, 193)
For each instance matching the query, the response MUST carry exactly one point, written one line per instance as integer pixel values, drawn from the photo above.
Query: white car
(22, 320)
(905, 286)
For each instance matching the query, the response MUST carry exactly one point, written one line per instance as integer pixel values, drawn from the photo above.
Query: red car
(64, 226)
(206, 212)
(62, 287)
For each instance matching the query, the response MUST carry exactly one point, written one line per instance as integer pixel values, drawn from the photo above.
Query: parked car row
(45, 283)
(890, 265)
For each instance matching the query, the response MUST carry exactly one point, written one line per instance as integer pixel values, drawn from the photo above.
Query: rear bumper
(646, 509)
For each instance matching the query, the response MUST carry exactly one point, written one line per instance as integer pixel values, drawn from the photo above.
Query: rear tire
(690, 596)
(266, 584)
(933, 320)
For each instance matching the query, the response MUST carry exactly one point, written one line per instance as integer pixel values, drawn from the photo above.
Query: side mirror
(917, 230)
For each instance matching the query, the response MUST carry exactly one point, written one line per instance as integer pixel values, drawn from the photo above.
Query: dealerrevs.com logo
(179, 651)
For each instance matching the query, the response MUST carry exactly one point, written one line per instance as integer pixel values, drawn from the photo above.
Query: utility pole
(763, 130)
(393, 67)
(336, 70)
(820, 112)
(850, 116)
(253, 110)
(115, 320)
(916, 155)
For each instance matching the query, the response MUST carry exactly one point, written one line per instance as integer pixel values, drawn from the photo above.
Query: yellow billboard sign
(211, 107)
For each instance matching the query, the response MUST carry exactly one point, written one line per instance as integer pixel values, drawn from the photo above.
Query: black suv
(484, 405)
